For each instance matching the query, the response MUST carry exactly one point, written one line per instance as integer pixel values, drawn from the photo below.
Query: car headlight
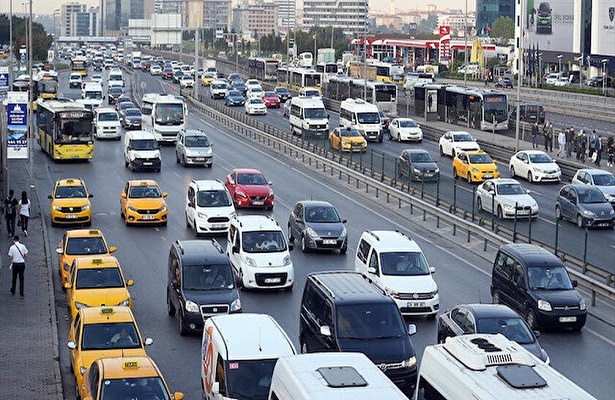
(582, 305)
(343, 234)
(544, 305)
(130, 208)
(409, 363)
(57, 208)
(474, 169)
(250, 262)
(240, 193)
(393, 293)
(209, 151)
(124, 303)
(86, 207)
(163, 209)
(508, 206)
(416, 171)
(236, 305)
(286, 261)
(311, 232)
(270, 194)
(437, 170)
(538, 169)
(79, 305)
(589, 213)
(612, 212)
(192, 307)
(201, 215)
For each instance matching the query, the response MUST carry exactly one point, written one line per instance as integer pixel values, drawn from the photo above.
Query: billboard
(17, 125)
(603, 27)
(549, 26)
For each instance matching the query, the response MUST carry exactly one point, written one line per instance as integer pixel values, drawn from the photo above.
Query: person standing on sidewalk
(591, 144)
(570, 139)
(598, 149)
(548, 132)
(535, 135)
(10, 212)
(17, 255)
(561, 143)
(610, 151)
(24, 212)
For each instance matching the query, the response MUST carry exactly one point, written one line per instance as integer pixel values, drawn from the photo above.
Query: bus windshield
(169, 114)
(312, 80)
(495, 108)
(74, 131)
(386, 93)
(48, 86)
(249, 379)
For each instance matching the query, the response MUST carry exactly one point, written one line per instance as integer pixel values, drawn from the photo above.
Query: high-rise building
(487, 11)
(287, 14)
(116, 13)
(68, 17)
(260, 19)
(350, 16)
(217, 14)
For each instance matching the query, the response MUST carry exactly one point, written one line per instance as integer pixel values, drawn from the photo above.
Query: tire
(580, 222)
(441, 151)
(496, 297)
(240, 281)
(469, 177)
(291, 239)
(176, 158)
(455, 176)
(187, 220)
(380, 137)
(184, 163)
(500, 213)
(479, 204)
(530, 318)
(170, 307)
(530, 177)
(343, 250)
(390, 136)
(304, 247)
(512, 171)
(398, 138)
(558, 213)
(181, 327)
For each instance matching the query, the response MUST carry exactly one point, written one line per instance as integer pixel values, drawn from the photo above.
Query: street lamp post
(519, 73)
(465, 45)
(559, 63)
(30, 102)
(604, 75)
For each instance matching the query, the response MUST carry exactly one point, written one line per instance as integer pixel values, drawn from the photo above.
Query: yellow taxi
(475, 166)
(125, 378)
(78, 243)
(142, 202)
(207, 78)
(347, 139)
(96, 281)
(70, 203)
(98, 332)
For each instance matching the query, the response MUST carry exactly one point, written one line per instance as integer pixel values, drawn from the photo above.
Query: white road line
(599, 336)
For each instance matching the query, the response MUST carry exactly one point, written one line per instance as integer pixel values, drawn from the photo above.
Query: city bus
(264, 69)
(483, 109)
(328, 70)
(389, 73)
(65, 130)
(383, 95)
(46, 85)
(297, 78)
(79, 66)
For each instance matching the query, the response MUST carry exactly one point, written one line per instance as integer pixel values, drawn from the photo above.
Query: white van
(363, 116)
(91, 95)
(209, 208)
(396, 263)
(107, 124)
(342, 376)
(238, 355)
(259, 253)
(489, 367)
(115, 78)
(308, 116)
(141, 151)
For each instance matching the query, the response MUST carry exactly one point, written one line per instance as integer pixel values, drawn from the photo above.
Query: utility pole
(12, 50)
(31, 102)
(465, 46)
(196, 64)
(519, 74)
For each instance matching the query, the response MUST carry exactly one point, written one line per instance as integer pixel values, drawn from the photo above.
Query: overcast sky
(47, 6)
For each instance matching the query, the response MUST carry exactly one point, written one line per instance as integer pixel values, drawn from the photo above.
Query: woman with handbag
(24, 212)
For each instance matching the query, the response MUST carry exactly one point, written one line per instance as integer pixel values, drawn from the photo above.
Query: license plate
(258, 203)
(148, 217)
(217, 226)
(273, 280)
(429, 174)
(71, 216)
(199, 159)
(414, 305)
(488, 176)
(567, 319)
(148, 163)
(329, 241)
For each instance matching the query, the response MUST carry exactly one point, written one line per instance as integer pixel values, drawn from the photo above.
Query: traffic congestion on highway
(158, 258)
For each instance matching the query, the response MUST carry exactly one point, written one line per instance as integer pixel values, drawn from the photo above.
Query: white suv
(259, 253)
(209, 208)
(396, 264)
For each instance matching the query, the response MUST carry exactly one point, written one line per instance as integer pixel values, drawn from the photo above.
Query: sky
(47, 6)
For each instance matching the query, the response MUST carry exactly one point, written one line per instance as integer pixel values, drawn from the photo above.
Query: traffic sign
(219, 34)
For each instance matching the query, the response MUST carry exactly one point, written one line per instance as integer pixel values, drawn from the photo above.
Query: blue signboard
(17, 116)
(17, 124)
(4, 79)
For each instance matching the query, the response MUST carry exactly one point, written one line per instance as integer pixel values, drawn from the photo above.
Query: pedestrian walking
(23, 208)
(10, 212)
(591, 144)
(570, 139)
(598, 151)
(548, 133)
(561, 143)
(610, 151)
(535, 135)
(17, 255)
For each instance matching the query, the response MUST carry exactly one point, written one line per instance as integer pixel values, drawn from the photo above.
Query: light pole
(11, 50)
(604, 75)
(540, 74)
(559, 63)
(519, 73)
(465, 45)
(30, 102)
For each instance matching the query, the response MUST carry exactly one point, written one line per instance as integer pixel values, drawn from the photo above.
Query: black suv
(200, 284)
(345, 311)
(535, 283)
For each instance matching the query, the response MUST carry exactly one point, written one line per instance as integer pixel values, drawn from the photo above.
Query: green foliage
(503, 29)
(41, 41)
(60, 66)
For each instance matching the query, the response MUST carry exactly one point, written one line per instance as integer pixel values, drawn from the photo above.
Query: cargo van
(308, 116)
(141, 151)
(116, 78)
(238, 355)
(319, 376)
(363, 116)
(107, 124)
(91, 95)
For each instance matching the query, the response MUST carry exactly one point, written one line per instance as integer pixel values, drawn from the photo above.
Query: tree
(41, 41)
(503, 29)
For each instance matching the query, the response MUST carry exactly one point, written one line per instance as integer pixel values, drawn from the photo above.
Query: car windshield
(152, 388)
(590, 195)
(480, 159)
(251, 179)
(282, 91)
(349, 133)
(540, 159)
(510, 189)
(407, 123)
(369, 321)
(68, 192)
(86, 245)
(116, 91)
(312, 93)
(120, 335)
(368, 118)
(98, 278)
(219, 86)
(213, 198)
(143, 144)
(126, 105)
(462, 137)
(93, 95)
(249, 379)
(513, 328)
(197, 141)
(256, 101)
(403, 263)
(321, 214)
(108, 116)
(207, 277)
(144, 192)
(263, 241)
(271, 95)
(604, 179)
(549, 278)
(420, 157)
(234, 93)
(133, 112)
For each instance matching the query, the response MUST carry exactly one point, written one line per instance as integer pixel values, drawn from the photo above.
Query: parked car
(418, 165)
(585, 205)
(501, 197)
(535, 166)
(318, 226)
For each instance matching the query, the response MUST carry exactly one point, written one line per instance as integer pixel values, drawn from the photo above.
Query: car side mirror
(90, 196)
(164, 194)
(235, 249)
(491, 192)
(372, 270)
(432, 270)
(325, 330)
(270, 183)
(71, 345)
(112, 249)
(328, 116)
(190, 204)
(59, 250)
(50, 197)
(344, 221)
(298, 220)
(291, 247)
(149, 341)
(536, 334)
(527, 191)
(67, 285)
(526, 161)
(575, 283)
(411, 329)
(130, 282)
(123, 195)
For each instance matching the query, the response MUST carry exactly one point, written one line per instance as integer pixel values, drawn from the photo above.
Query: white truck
(135, 60)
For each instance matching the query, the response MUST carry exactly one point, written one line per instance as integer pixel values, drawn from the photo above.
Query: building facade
(458, 21)
(487, 11)
(68, 17)
(257, 20)
(349, 16)
(217, 14)
(116, 13)
(287, 14)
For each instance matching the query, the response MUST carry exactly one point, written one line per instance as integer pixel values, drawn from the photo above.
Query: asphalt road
(586, 357)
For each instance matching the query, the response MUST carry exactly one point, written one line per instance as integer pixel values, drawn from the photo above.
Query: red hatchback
(271, 99)
(249, 189)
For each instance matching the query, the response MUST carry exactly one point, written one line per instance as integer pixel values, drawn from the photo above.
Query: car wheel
(176, 158)
(304, 247)
(558, 213)
(455, 176)
(380, 138)
(343, 250)
(398, 138)
(441, 151)
(440, 339)
(500, 213)
(479, 204)
(530, 318)
(512, 171)
(496, 297)
(184, 163)
(469, 177)
(530, 177)
(390, 136)
(580, 222)
(181, 327)
(170, 306)
(187, 220)
(240, 280)
(290, 234)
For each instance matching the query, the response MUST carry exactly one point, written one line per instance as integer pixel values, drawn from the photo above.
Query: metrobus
(328, 70)
(383, 95)
(305, 60)
(483, 109)
(65, 130)
(164, 115)
(264, 69)
(46, 85)
(297, 78)
(79, 66)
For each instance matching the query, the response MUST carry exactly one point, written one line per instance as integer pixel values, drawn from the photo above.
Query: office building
(116, 14)
(350, 16)
(68, 16)
(487, 11)
(217, 14)
(261, 19)
(287, 14)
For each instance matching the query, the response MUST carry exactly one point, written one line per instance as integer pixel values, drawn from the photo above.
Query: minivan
(345, 311)
(141, 151)
(536, 284)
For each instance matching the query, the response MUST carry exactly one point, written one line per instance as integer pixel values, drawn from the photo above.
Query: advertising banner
(603, 27)
(17, 125)
(4, 78)
(445, 44)
(549, 26)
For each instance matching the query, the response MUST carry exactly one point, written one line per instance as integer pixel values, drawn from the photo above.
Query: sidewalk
(29, 360)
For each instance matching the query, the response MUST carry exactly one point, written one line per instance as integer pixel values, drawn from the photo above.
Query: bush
(60, 66)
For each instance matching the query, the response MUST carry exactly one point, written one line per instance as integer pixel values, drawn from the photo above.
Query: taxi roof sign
(97, 261)
(106, 310)
(130, 364)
